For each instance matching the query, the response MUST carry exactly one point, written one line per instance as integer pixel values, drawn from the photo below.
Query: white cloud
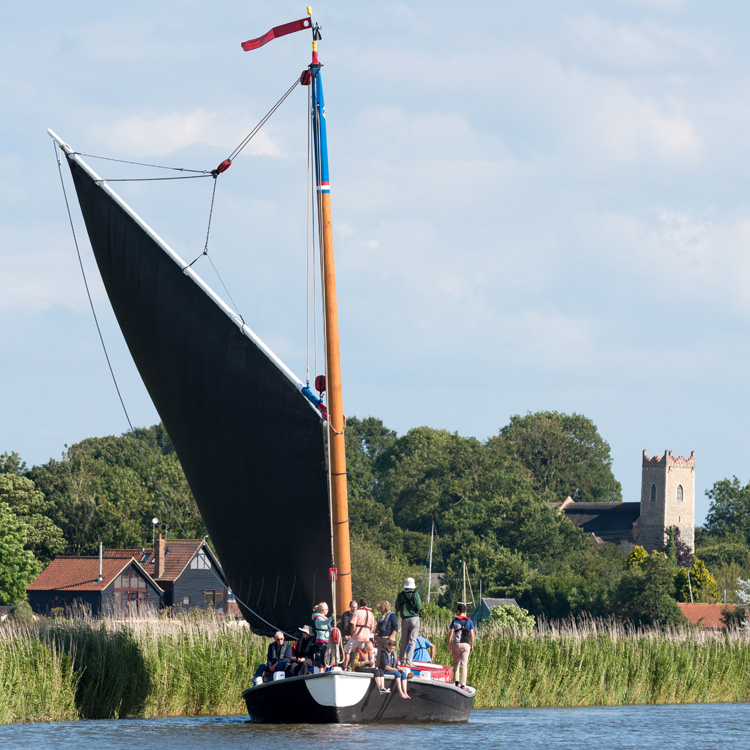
(629, 128)
(692, 264)
(646, 47)
(660, 4)
(151, 135)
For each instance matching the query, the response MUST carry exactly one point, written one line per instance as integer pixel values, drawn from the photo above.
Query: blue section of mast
(319, 131)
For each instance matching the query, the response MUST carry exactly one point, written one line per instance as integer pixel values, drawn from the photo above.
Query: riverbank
(58, 670)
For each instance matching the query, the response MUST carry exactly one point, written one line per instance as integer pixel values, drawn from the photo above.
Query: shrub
(508, 617)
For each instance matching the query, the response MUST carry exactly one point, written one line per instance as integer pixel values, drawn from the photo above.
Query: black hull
(351, 698)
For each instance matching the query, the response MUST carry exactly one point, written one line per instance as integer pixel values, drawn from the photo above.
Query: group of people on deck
(370, 644)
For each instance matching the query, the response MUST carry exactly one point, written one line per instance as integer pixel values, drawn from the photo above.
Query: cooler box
(436, 672)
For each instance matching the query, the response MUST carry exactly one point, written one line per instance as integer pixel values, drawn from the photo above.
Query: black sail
(251, 445)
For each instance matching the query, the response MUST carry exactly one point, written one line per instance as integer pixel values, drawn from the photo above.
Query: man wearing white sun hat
(409, 607)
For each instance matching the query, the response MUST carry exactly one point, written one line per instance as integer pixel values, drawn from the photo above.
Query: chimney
(159, 553)
(101, 577)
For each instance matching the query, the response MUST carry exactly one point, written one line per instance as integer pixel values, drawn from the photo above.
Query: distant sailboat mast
(429, 570)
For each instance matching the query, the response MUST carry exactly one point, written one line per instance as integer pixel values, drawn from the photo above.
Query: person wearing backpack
(409, 606)
(461, 640)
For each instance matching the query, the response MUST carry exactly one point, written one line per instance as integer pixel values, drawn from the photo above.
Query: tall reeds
(83, 668)
(593, 663)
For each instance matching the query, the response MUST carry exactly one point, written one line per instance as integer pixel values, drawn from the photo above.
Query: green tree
(427, 472)
(564, 453)
(366, 441)
(637, 557)
(670, 548)
(469, 488)
(581, 583)
(102, 490)
(18, 568)
(723, 550)
(699, 581)
(43, 537)
(644, 595)
(729, 513)
(376, 574)
(502, 572)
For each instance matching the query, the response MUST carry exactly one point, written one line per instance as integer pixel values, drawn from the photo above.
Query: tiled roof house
(181, 572)
(120, 586)
(185, 569)
(707, 616)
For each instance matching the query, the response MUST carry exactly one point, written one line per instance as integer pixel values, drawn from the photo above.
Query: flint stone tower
(667, 499)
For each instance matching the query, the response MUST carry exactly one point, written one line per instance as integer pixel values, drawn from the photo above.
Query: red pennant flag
(287, 28)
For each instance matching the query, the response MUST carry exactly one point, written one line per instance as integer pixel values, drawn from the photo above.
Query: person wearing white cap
(409, 606)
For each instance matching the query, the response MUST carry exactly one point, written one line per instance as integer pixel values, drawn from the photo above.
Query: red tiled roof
(179, 553)
(66, 573)
(705, 615)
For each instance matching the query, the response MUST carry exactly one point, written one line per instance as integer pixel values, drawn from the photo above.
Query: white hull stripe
(338, 689)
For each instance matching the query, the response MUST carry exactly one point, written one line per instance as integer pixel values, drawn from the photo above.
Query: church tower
(667, 499)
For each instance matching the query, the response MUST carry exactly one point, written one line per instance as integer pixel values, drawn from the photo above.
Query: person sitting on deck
(424, 651)
(363, 660)
(278, 657)
(303, 653)
(388, 662)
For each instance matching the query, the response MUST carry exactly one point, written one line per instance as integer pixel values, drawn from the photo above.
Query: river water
(705, 726)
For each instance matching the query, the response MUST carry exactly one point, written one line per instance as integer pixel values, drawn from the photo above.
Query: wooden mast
(336, 445)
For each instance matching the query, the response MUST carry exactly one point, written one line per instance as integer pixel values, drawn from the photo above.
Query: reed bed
(594, 663)
(83, 668)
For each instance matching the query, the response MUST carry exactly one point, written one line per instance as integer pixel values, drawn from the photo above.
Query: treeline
(489, 500)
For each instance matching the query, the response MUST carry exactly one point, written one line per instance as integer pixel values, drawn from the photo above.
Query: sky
(536, 206)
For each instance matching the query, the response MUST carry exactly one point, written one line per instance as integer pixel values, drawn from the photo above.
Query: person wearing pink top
(362, 623)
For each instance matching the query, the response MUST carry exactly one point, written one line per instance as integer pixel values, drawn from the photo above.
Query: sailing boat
(251, 438)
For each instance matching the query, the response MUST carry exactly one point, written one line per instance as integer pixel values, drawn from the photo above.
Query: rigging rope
(141, 164)
(254, 131)
(153, 179)
(335, 651)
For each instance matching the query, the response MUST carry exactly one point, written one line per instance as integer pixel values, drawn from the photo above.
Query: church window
(653, 493)
(679, 493)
